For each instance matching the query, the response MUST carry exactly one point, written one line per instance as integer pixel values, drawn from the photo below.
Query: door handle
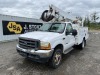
(63, 38)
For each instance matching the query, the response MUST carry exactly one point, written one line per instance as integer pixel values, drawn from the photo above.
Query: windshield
(53, 27)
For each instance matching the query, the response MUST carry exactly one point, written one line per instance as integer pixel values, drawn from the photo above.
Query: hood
(42, 36)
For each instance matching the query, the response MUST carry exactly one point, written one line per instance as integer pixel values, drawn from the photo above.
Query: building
(12, 26)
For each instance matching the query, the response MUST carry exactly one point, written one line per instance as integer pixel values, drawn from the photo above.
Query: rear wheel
(80, 46)
(83, 44)
(56, 59)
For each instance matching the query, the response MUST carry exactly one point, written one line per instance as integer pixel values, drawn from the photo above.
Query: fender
(57, 42)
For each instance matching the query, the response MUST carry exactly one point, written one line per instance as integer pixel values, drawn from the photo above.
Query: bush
(94, 26)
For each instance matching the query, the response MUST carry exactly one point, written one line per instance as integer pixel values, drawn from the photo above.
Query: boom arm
(54, 14)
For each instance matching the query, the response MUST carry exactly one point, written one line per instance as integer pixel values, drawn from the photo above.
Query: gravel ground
(84, 62)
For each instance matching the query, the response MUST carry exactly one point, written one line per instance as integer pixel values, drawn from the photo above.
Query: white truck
(51, 41)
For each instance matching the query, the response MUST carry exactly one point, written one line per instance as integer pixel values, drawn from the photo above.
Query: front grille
(27, 43)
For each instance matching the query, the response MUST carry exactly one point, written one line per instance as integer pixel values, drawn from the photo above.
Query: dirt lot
(85, 62)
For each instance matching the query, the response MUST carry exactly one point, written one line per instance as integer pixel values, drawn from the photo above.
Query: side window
(69, 28)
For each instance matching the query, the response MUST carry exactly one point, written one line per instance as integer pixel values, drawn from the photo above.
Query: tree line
(91, 19)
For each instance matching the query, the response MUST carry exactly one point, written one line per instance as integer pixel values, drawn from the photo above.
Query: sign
(15, 27)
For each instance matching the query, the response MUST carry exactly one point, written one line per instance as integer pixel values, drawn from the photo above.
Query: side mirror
(74, 32)
(67, 32)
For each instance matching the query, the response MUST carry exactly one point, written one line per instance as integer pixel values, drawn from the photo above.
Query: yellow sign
(13, 27)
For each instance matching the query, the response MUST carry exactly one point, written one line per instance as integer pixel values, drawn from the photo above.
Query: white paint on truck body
(82, 33)
(57, 38)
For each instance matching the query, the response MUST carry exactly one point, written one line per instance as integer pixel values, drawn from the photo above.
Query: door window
(69, 28)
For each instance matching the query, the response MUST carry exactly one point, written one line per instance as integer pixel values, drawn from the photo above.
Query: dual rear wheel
(80, 46)
(83, 44)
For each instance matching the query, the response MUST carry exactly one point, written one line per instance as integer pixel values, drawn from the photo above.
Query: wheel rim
(57, 58)
(83, 44)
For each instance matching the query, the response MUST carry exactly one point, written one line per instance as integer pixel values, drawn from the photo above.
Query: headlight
(45, 46)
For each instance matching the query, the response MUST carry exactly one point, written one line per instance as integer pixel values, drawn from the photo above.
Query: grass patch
(94, 26)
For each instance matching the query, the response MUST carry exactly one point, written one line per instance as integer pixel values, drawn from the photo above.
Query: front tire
(56, 59)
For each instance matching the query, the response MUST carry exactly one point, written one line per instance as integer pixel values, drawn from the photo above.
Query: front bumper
(35, 55)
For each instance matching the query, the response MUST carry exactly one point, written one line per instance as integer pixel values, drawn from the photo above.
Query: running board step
(68, 50)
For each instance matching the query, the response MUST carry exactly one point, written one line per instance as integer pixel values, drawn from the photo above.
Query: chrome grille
(27, 43)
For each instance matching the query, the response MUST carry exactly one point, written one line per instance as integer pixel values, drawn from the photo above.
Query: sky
(34, 8)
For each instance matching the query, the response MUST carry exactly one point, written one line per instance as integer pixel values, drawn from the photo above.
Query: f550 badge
(13, 27)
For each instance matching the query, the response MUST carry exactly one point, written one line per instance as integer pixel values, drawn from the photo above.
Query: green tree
(87, 21)
(94, 17)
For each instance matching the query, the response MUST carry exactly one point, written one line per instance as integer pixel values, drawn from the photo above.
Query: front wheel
(56, 59)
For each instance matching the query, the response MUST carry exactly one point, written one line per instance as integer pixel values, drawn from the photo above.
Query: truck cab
(51, 41)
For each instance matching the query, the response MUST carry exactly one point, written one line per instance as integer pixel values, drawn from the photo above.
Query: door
(70, 39)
